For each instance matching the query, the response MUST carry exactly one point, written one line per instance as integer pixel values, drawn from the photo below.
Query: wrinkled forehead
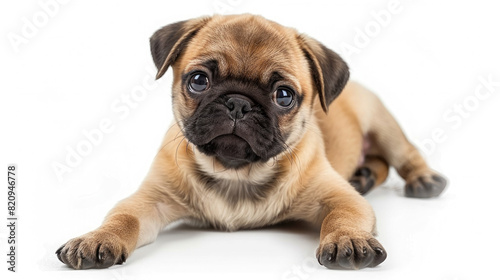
(250, 49)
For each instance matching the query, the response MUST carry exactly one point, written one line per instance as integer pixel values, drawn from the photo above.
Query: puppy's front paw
(96, 249)
(426, 185)
(350, 250)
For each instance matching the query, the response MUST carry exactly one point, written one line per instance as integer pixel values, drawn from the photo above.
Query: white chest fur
(232, 213)
(246, 198)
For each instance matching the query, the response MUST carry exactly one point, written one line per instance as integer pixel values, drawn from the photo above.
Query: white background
(66, 75)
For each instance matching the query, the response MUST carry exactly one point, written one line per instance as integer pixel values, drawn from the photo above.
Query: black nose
(238, 107)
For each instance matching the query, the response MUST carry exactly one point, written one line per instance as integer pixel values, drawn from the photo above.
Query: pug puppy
(258, 140)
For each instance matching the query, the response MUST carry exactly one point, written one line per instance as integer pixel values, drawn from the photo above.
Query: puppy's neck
(255, 173)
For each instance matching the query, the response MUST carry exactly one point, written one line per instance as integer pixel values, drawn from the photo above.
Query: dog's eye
(198, 83)
(283, 97)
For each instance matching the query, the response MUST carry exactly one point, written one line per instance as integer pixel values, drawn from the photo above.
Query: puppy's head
(244, 87)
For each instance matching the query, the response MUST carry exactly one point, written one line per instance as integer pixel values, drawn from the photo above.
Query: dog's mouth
(235, 141)
(231, 150)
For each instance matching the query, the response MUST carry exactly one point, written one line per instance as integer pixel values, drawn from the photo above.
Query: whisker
(249, 170)
(222, 171)
(288, 154)
(213, 167)
(274, 162)
(177, 151)
(177, 136)
(187, 146)
(313, 128)
(292, 156)
(238, 176)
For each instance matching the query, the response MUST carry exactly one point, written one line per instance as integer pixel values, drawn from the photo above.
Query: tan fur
(310, 177)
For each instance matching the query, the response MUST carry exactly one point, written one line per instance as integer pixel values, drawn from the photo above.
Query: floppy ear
(329, 71)
(168, 42)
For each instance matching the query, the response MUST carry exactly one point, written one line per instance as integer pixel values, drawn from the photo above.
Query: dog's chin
(230, 150)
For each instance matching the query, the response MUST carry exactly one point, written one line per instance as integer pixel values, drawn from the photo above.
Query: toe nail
(122, 259)
(348, 252)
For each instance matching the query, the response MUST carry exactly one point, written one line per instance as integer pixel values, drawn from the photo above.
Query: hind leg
(387, 140)
(372, 172)
(421, 181)
(357, 116)
(392, 144)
